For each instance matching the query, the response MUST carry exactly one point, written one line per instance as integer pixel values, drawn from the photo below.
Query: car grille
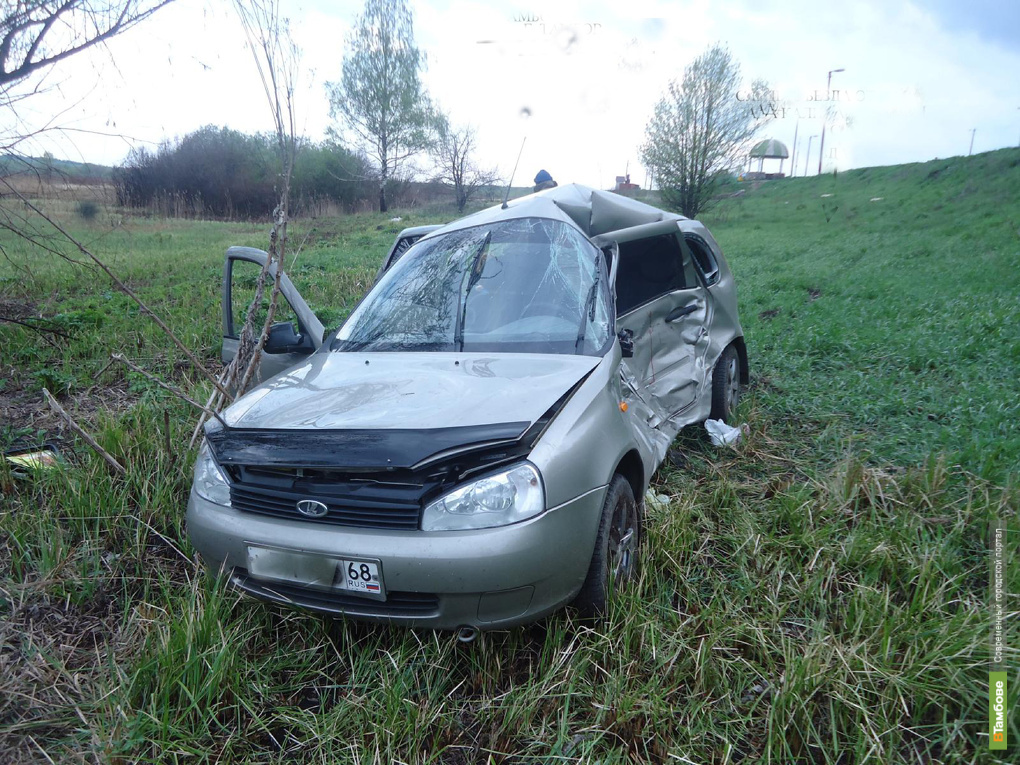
(362, 502)
(397, 604)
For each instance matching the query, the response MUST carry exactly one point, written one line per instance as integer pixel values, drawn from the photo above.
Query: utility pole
(828, 85)
(793, 154)
(971, 149)
(808, 157)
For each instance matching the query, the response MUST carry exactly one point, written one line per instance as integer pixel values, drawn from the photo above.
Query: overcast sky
(919, 76)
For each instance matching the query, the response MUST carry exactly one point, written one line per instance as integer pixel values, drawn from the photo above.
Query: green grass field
(816, 595)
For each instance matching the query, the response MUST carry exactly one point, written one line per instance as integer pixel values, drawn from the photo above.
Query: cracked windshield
(519, 286)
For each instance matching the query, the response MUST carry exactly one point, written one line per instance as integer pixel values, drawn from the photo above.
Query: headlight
(210, 483)
(496, 500)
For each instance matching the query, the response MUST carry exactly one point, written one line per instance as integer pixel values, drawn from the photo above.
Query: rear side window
(704, 259)
(648, 268)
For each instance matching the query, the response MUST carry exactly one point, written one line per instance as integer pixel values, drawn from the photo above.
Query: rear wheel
(726, 385)
(614, 561)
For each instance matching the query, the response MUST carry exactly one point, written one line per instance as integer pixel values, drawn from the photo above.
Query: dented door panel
(681, 344)
(668, 382)
(639, 321)
(724, 322)
(690, 325)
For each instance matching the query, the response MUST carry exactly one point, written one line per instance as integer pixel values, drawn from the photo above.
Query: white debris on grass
(876, 199)
(826, 195)
(720, 433)
(655, 501)
(395, 220)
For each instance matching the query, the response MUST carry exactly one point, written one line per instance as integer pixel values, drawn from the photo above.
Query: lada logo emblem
(310, 508)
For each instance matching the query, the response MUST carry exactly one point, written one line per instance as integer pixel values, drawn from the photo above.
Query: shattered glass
(527, 285)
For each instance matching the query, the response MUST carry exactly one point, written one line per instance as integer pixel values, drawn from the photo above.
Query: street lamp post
(807, 158)
(821, 146)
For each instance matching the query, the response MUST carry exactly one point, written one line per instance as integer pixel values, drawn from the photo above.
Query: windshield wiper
(589, 308)
(350, 346)
(476, 274)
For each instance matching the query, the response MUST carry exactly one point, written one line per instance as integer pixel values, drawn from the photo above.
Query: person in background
(544, 181)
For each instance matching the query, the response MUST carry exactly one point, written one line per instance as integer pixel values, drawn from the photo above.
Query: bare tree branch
(43, 329)
(32, 40)
(276, 59)
(454, 155)
(58, 409)
(166, 386)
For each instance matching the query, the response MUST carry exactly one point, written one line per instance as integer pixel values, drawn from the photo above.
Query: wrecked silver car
(470, 449)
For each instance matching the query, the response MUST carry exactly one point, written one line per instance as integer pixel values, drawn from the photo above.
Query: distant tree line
(223, 173)
(381, 108)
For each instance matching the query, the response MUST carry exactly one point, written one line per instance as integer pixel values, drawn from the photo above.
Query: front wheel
(614, 561)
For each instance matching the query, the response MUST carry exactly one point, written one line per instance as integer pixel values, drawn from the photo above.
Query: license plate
(361, 577)
(358, 576)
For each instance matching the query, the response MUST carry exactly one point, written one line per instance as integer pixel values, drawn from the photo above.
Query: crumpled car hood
(358, 391)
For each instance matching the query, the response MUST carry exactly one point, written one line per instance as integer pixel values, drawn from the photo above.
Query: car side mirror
(283, 338)
(626, 337)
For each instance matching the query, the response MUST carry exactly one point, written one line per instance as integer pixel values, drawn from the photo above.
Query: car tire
(726, 385)
(614, 560)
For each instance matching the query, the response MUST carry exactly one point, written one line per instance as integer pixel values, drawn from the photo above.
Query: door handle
(679, 313)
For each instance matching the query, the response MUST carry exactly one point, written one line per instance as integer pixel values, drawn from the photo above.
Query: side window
(402, 246)
(690, 271)
(704, 260)
(648, 268)
(243, 277)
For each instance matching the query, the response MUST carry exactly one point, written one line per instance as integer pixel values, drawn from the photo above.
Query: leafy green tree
(380, 98)
(700, 129)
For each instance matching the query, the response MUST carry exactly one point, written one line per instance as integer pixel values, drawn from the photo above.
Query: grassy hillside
(61, 170)
(882, 306)
(816, 595)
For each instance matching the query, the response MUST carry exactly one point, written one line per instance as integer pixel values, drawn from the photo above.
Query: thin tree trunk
(58, 409)
(384, 153)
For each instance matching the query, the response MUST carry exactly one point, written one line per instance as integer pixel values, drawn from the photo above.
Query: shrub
(87, 210)
(222, 173)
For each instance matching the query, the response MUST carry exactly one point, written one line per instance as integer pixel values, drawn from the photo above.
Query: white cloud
(589, 72)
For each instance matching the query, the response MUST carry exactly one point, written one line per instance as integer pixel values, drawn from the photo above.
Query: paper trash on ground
(720, 433)
(654, 501)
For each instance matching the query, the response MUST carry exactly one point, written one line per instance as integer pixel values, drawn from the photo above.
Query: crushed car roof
(592, 211)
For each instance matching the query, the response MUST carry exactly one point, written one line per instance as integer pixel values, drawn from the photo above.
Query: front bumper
(485, 578)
